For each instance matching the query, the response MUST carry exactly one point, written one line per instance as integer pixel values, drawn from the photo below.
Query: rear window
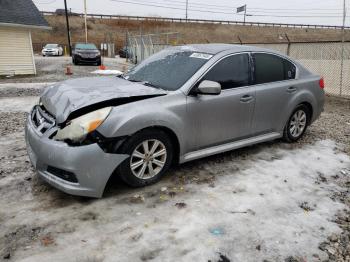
(85, 46)
(51, 46)
(272, 68)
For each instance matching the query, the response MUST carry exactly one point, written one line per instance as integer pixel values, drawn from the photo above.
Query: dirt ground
(52, 69)
(269, 202)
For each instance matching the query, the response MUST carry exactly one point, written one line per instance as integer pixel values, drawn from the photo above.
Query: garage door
(16, 53)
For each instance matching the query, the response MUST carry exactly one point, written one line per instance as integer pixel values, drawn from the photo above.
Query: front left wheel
(151, 155)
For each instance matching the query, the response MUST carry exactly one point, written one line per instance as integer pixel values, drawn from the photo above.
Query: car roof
(218, 48)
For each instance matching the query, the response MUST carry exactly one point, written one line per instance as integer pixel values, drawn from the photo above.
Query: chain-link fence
(328, 59)
(141, 46)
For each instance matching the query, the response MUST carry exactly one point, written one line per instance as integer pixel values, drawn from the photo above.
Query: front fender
(165, 111)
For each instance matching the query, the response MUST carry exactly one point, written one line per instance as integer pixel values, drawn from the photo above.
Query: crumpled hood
(68, 96)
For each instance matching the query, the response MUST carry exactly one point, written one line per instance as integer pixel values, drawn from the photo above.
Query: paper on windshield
(201, 56)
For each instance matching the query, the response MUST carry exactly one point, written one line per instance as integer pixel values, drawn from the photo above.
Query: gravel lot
(52, 69)
(269, 202)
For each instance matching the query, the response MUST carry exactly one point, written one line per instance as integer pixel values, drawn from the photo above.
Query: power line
(175, 5)
(254, 8)
(169, 7)
(156, 4)
(288, 12)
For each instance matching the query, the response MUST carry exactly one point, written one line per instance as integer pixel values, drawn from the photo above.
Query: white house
(17, 19)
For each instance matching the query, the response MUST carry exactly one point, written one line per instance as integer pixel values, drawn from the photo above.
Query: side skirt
(229, 146)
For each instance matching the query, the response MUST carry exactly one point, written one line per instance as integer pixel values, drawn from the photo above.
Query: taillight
(321, 83)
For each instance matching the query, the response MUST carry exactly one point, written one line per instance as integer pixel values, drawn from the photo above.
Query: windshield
(86, 46)
(168, 69)
(51, 46)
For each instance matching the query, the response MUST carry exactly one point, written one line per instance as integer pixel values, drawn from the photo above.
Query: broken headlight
(77, 129)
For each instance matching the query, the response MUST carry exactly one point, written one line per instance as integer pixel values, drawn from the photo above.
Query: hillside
(115, 29)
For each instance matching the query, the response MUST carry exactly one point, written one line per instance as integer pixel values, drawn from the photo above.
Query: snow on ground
(107, 72)
(52, 69)
(269, 201)
(16, 104)
(269, 205)
(4, 86)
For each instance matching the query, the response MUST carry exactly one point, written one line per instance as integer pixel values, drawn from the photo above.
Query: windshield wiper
(146, 83)
(150, 84)
(122, 76)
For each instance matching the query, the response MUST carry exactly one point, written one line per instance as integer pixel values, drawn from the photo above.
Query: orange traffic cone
(102, 67)
(69, 70)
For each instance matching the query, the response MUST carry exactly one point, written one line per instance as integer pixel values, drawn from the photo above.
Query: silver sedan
(180, 104)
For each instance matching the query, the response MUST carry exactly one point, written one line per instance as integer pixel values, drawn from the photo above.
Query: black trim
(63, 174)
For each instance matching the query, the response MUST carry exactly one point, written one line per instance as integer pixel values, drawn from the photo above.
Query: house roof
(22, 13)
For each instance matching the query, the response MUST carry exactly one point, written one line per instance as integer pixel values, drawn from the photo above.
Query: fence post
(288, 46)
(141, 44)
(239, 39)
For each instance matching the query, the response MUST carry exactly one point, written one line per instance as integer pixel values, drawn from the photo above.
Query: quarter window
(231, 72)
(271, 68)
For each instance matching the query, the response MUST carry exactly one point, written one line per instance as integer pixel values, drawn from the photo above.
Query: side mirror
(207, 87)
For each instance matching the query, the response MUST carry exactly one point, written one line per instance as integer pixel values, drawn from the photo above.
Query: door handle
(246, 98)
(291, 89)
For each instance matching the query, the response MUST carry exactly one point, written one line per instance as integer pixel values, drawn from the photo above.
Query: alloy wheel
(297, 123)
(148, 159)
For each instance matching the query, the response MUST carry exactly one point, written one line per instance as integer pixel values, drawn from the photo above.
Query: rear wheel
(151, 154)
(297, 124)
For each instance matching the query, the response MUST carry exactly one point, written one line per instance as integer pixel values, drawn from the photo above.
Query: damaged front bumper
(79, 170)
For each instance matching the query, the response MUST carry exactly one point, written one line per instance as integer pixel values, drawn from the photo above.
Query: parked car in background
(178, 105)
(63, 12)
(125, 52)
(86, 53)
(52, 50)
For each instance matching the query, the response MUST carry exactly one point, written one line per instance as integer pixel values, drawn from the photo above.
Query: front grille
(42, 120)
(65, 175)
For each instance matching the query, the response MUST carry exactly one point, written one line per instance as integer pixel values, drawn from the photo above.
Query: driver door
(223, 118)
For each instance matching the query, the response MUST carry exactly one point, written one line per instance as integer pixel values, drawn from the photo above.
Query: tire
(134, 177)
(98, 63)
(300, 119)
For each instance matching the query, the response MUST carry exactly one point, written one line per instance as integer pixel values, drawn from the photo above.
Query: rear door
(217, 119)
(274, 78)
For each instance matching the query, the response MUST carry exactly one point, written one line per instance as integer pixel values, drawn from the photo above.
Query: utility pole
(86, 33)
(68, 31)
(245, 12)
(186, 10)
(342, 49)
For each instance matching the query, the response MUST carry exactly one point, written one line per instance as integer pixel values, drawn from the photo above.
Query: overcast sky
(327, 12)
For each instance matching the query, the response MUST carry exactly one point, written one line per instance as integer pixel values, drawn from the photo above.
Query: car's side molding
(228, 146)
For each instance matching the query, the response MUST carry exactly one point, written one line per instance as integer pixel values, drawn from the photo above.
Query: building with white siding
(17, 19)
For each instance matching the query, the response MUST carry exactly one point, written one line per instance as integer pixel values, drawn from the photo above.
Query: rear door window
(272, 68)
(231, 72)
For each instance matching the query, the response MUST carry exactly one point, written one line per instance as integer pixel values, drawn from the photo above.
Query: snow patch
(107, 72)
(258, 205)
(18, 104)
